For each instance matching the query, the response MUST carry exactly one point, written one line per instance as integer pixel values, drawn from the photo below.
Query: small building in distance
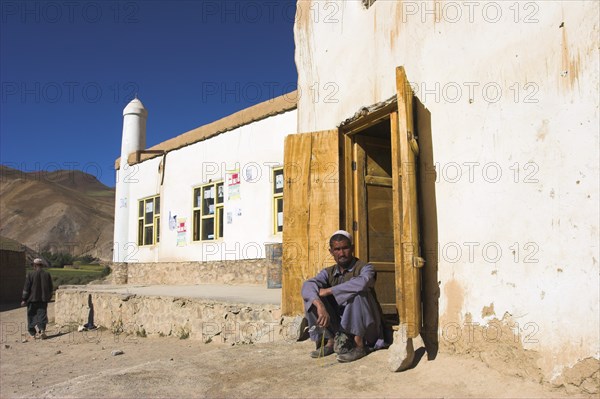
(12, 270)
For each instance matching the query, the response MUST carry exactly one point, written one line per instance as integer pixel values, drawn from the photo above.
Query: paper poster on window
(181, 232)
(149, 206)
(233, 184)
(279, 182)
(279, 218)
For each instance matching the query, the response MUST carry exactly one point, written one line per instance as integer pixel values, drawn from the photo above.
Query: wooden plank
(311, 210)
(378, 162)
(409, 297)
(371, 119)
(324, 198)
(378, 181)
(397, 213)
(347, 187)
(295, 220)
(380, 224)
(360, 199)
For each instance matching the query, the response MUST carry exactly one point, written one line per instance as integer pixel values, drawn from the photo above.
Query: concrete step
(208, 312)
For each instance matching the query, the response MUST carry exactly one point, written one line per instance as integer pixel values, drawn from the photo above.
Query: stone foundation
(118, 274)
(499, 344)
(252, 271)
(194, 318)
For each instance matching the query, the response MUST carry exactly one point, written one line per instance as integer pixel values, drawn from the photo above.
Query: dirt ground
(82, 365)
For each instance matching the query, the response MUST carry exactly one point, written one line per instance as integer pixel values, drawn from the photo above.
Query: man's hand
(23, 303)
(322, 314)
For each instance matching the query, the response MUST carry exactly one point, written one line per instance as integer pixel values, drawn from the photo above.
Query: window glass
(208, 204)
(149, 221)
(277, 186)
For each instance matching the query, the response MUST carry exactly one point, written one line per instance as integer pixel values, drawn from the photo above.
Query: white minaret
(134, 139)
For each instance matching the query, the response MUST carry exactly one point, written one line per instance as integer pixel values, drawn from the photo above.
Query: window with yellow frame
(149, 221)
(277, 200)
(208, 212)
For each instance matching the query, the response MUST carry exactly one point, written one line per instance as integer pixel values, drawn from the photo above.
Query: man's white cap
(38, 261)
(345, 234)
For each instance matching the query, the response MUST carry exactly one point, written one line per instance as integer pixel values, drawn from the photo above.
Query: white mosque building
(213, 193)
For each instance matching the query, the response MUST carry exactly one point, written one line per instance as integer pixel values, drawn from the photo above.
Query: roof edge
(271, 107)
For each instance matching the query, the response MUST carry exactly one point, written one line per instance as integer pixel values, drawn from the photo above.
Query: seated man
(341, 299)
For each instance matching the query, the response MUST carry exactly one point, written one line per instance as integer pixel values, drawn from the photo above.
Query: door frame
(347, 132)
(350, 201)
(407, 252)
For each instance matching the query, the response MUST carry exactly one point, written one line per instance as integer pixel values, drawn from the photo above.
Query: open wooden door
(373, 204)
(406, 224)
(311, 210)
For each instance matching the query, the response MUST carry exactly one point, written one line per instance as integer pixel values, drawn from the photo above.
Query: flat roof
(271, 107)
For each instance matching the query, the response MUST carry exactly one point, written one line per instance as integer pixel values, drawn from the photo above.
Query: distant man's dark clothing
(353, 307)
(37, 315)
(38, 286)
(37, 292)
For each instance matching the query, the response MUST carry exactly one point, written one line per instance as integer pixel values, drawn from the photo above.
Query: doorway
(372, 199)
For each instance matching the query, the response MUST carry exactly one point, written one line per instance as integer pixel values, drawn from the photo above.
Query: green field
(83, 275)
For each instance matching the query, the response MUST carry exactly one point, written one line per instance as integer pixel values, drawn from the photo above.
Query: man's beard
(345, 263)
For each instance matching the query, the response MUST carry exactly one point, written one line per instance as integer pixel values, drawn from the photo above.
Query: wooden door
(373, 203)
(406, 223)
(311, 210)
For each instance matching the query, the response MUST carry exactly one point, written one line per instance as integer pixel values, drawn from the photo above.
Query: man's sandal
(322, 352)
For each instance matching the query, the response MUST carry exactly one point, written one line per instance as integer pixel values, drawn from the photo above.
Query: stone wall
(253, 271)
(118, 274)
(193, 318)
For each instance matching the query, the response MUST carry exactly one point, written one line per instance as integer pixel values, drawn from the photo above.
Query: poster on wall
(233, 184)
(181, 232)
(172, 221)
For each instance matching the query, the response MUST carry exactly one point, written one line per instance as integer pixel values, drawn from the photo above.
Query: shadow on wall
(430, 290)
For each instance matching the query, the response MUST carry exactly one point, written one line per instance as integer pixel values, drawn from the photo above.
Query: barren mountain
(61, 211)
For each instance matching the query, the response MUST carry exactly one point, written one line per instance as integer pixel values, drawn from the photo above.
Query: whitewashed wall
(512, 88)
(257, 147)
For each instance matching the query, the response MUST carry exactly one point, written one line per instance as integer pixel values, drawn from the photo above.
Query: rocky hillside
(61, 211)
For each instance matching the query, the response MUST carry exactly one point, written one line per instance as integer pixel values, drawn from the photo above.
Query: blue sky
(68, 68)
